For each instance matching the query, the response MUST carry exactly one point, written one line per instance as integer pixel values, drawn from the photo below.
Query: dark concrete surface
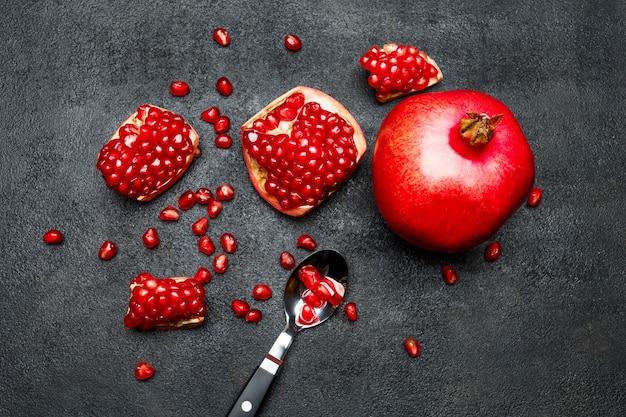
(541, 332)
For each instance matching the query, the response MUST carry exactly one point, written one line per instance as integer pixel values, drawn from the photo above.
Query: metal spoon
(330, 263)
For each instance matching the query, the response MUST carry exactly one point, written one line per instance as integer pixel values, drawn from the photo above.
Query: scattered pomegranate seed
(240, 307)
(144, 371)
(150, 238)
(412, 347)
(223, 141)
(200, 226)
(221, 36)
(179, 88)
(214, 208)
(224, 86)
(107, 250)
(53, 236)
(170, 214)
(350, 310)
(254, 315)
(307, 242)
(211, 115)
(493, 251)
(186, 200)
(534, 198)
(225, 192)
(262, 292)
(222, 124)
(287, 260)
(293, 43)
(206, 245)
(450, 276)
(202, 275)
(204, 196)
(228, 242)
(220, 263)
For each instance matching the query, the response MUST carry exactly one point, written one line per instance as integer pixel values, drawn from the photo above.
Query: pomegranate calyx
(477, 129)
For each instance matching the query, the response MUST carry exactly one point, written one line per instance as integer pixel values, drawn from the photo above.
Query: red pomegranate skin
(434, 189)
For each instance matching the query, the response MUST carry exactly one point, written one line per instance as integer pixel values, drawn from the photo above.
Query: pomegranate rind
(259, 175)
(134, 119)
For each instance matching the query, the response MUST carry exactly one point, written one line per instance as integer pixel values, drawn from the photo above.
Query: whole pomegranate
(449, 168)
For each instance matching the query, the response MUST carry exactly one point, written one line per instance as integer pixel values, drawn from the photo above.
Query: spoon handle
(254, 392)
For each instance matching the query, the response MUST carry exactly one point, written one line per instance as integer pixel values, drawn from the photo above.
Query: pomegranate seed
(228, 242)
(221, 36)
(224, 86)
(450, 276)
(225, 192)
(240, 307)
(223, 141)
(179, 88)
(412, 347)
(222, 124)
(350, 310)
(107, 250)
(534, 198)
(206, 245)
(307, 314)
(204, 196)
(214, 208)
(293, 43)
(202, 275)
(311, 299)
(200, 226)
(211, 115)
(53, 236)
(493, 251)
(310, 277)
(254, 315)
(287, 260)
(262, 292)
(144, 371)
(307, 242)
(150, 238)
(220, 263)
(187, 200)
(169, 213)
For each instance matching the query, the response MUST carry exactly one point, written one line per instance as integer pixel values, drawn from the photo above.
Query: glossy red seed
(204, 196)
(107, 250)
(222, 124)
(311, 299)
(150, 238)
(225, 192)
(240, 307)
(262, 292)
(450, 276)
(211, 115)
(534, 198)
(350, 310)
(413, 348)
(187, 200)
(287, 260)
(170, 214)
(53, 236)
(223, 141)
(307, 314)
(307, 242)
(200, 226)
(214, 208)
(221, 36)
(293, 42)
(202, 275)
(493, 251)
(310, 277)
(228, 242)
(224, 86)
(220, 263)
(254, 315)
(179, 88)
(206, 245)
(144, 371)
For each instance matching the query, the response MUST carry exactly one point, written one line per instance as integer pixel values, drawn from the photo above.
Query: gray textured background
(541, 332)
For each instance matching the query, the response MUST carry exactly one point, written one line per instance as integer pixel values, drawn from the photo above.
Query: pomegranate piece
(224, 86)
(202, 275)
(300, 149)
(493, 251)
(228, 242)
(200, 226)
(204, 196)
(534, 198)
(450, 276)
(311, 299)
(164, 303)
(254, 315)
(220, 263)
(53, 237)
(287, 260)
(262, 292)
(225, 192)
(206, 245)
(310, 277)
(150, 238)
(307, 315)
(222, 124)
(398, 70)
(293, 43)
(169, 214)
(107, 250)
(412, 346)
(144, 371)
(179, 88)
(221, 36)
(240, 307)
(148, 153)
(214, 209)
(211, 115)
(307, 242)
(223, 141)
(350, 310)
(187, 200)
